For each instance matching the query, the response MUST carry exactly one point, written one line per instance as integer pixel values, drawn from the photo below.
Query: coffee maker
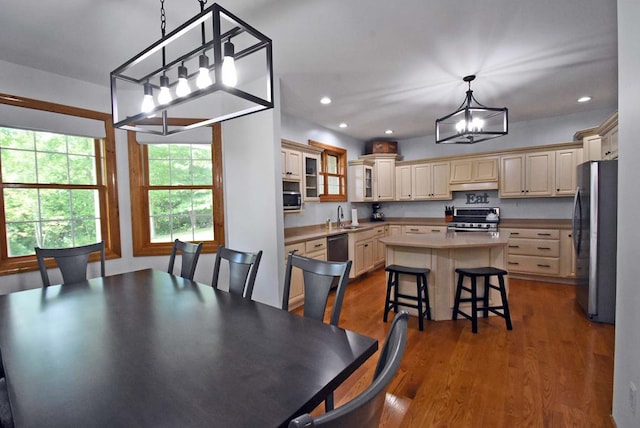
(376, 215)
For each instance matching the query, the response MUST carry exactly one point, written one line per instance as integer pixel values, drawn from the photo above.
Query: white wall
(252, 194)
(627, 352)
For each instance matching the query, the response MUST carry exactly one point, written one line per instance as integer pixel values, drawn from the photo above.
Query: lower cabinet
(544, 252)
(315, 249)
(421, 230)
(365, 251)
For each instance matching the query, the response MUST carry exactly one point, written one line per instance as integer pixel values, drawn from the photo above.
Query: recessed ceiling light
(343, 125)
(325, 100)
(389, 131)
(584, 99)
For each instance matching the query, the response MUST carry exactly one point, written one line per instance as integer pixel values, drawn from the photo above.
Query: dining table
(150, 349)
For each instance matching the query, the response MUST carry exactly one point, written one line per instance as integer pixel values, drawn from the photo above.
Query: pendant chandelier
(212, 68)
(471, 123)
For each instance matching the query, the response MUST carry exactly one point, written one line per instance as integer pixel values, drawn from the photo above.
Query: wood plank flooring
(554, 369)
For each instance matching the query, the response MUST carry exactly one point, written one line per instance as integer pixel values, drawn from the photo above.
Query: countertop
(295, 235)
(448, 240)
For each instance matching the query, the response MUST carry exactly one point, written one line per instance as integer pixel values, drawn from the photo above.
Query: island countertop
(448, 240)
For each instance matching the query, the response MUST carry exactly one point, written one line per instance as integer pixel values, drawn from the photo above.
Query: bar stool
(422, 292)
(486, 273)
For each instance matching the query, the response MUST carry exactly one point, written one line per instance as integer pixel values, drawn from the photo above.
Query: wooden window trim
(107, 185)
(342, 167)
(138, 176)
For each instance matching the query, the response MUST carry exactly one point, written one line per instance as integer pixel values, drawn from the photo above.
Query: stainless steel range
(480, 219)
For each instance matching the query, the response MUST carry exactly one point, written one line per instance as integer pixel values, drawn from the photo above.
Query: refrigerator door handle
(576, 221)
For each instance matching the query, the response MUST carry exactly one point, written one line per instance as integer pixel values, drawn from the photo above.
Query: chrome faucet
(339, 216)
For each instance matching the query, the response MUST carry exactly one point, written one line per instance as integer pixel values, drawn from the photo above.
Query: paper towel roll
(354, 217)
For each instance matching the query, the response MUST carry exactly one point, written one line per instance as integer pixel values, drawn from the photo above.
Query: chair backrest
(72, 262)
(365, 410)
(243, 268)
(190, 254)
(318, 277)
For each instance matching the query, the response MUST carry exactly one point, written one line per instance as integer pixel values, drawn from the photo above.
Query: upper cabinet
(566, 162)
(474, 173)
(527, 174)
(423, 181)
(608, 132)
(384, 175)
(301, 163)
(361, 180)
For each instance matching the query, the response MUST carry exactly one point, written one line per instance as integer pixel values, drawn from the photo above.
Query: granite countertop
(295, 235)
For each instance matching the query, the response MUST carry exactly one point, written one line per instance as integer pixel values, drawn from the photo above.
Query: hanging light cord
(202, 3)
(163, 27)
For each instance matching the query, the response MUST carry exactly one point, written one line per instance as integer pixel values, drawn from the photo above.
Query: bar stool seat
(422, 292)
(501, 310)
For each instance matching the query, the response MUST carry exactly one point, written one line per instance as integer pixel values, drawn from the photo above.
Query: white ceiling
(386, 64)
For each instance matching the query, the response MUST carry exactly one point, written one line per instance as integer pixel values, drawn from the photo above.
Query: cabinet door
(368, 183)
(512, 176)
(592, 148)
(461, 171)
(363, 256)
(566, 163)
(311, 163)
(540, 174)
(292, 164)
(421, 181)
(296, 290)
(385, 179)
(440, 180)
(403, 182)
(485, 169)
(395, 230)
(567, 255)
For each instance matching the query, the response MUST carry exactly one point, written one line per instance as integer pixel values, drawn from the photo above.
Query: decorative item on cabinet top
(373, 147)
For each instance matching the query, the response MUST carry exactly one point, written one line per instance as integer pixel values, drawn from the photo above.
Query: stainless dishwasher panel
(338, 247)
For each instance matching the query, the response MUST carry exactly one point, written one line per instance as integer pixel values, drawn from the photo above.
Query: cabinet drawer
(418, 230)
(363, 235)
(315, 245)
(535, 233)
(534, 247)
(379, 232)
(299, 249)
(534, 265)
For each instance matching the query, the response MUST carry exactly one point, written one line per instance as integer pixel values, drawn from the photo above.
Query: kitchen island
(443, 254)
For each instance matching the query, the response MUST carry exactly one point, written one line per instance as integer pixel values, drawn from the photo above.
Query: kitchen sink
(350, 227)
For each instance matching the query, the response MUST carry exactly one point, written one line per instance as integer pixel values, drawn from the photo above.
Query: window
(333, 174)
(54, 186)
(176, 192)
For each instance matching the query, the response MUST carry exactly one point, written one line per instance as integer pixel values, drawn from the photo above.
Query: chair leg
(328, 403)
(505, 302)
(456, 301)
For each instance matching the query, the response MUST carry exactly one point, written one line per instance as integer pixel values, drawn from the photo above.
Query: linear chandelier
(472, 123)
(214, 67)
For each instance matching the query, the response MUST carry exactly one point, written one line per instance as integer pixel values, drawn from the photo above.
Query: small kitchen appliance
(376, 215)
(476, 219)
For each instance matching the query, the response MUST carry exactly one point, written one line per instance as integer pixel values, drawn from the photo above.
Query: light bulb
(164, 97)
(203, 80)
(147, 100)
(477, 124)
(461, 126)
(229, 75)
(183, 88)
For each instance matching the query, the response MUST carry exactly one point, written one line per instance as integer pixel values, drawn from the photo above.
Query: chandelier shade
(472, 122)
(181, 79)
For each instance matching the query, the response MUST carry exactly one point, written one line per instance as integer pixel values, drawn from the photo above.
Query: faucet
(339, 216)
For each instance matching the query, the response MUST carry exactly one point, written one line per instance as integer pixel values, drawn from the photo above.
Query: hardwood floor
(554, 369)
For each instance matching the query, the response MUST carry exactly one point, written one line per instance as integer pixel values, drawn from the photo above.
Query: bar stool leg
(485, 298)
(388, 298)
(456, 303)
(505, 302)
(474, 305)
(425, 286)
(419, 296)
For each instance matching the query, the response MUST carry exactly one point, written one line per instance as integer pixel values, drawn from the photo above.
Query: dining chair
(243, 268)
(190, 253)
(318, 277)
(365, 410)
(6, 416)
(72, 262)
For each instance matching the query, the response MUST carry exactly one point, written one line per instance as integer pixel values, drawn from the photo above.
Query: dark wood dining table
(150, 349)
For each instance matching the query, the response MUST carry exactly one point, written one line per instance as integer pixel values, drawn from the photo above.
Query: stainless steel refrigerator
(595, 238)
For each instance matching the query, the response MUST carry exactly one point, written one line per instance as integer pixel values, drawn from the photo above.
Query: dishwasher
(337, 250)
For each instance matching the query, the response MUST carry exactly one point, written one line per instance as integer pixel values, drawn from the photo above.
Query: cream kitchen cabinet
(567, 255)
(311, 177)
(422, 230)
(525, 175)
(380, 253)
(313, 248)
(291, 164)
(608, 132)
(364, 251)
(423, 181)
(474, 173)
(384, 171)
(566, 162)
(361, 180)
(533, 251)
(394, 230)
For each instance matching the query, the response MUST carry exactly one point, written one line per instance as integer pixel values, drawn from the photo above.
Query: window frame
(107, 186)
(139, 187)
(341, 154)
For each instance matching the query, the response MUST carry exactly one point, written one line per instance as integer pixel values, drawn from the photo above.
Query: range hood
(474, 185)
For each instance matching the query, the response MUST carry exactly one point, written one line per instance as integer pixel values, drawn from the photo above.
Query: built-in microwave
(291, 200)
